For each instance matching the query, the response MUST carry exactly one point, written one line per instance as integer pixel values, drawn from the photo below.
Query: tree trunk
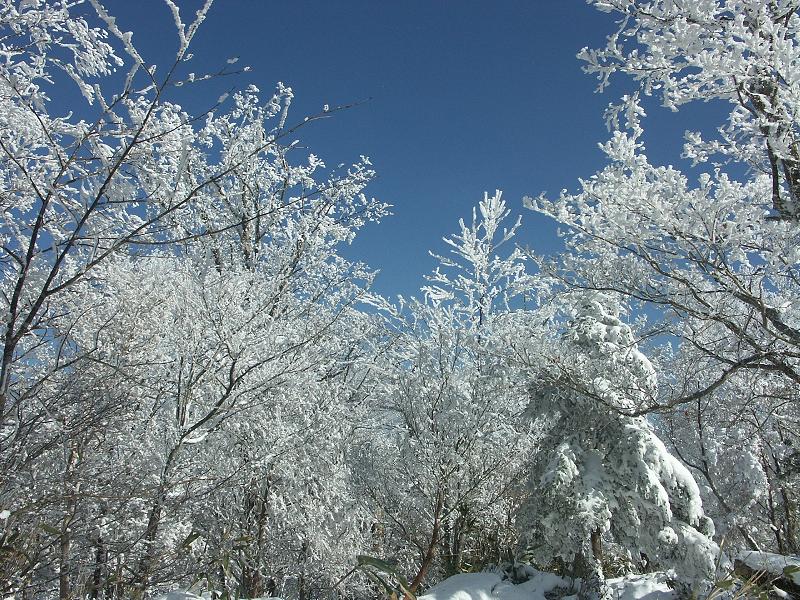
(100, 560)
(64, 591)
(430, 553)
(597, 546)
(153, 521)
(589, 568)
(150, 534)
(459, 536)
(253, 585)
(70, 491)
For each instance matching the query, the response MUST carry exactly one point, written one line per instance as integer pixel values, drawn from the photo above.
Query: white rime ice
(608, 472)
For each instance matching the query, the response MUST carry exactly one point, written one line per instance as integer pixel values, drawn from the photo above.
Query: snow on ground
(466, 586)
(182, 595)
(652, 586)
(491, 586)
(772, 563)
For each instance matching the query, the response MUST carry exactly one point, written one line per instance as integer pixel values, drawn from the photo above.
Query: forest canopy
(200, 389)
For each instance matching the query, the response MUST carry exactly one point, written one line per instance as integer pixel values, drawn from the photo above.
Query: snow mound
(466, 586)
(652, 586)
(184, 595)
(179, 595)
(772, 563)
(491, 586)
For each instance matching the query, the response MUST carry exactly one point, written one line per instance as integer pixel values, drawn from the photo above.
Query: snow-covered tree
(713, 260)
(741, 444)
(599, 473)
(179, 328)
(449, 427)
(743, 52)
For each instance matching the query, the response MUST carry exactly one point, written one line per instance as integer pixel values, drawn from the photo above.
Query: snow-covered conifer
(601, 473)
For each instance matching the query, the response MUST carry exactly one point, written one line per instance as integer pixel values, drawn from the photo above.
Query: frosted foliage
(744, 52)
(476, 279)
(718, 251)
(182, 365)
(605, 471)
(737, 457)
(712, 258)
(717, 254)
(611, 365)
(52, 39)
(193, 394)
(448, 422)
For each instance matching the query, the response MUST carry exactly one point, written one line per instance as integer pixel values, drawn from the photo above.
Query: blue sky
(461, 97)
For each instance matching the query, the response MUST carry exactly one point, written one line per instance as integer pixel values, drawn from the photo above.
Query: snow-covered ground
(772, 563)
(494, 586)
(182, 595)
(491, 586)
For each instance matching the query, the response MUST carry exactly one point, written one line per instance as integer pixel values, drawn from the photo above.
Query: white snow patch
(652, 586)
(184, 595)
(466, 586)
(179, 595)
(773, 563)
(491, 586)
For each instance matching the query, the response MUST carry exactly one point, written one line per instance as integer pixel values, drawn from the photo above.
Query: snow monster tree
(602, 473)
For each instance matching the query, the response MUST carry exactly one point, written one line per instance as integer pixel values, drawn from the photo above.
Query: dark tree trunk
(64, 591)
(597, 546)
(433, 542)
(588, 567)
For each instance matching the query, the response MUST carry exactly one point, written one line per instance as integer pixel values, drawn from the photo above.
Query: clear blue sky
(464, 96)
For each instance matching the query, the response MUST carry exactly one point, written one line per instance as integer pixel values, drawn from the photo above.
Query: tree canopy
(199, 388)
